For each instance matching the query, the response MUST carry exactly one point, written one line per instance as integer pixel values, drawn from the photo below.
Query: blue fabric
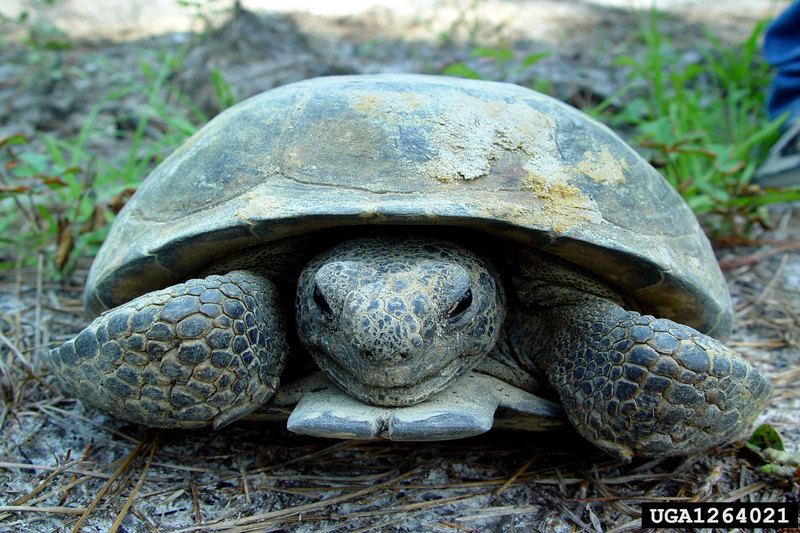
(782, 51)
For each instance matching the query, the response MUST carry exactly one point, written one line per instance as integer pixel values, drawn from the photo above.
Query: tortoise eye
(321, 302)
(460, 307)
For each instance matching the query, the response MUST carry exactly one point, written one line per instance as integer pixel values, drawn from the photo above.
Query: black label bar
(717, 514)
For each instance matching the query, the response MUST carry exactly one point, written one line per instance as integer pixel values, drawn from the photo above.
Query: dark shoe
(781, 169)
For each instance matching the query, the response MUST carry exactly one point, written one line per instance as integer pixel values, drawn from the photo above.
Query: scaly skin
(203, 352)
(638, 386)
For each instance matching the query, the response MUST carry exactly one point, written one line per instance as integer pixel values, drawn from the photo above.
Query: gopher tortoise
(450, 253)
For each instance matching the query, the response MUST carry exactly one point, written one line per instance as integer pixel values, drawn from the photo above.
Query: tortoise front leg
(206, 351)
(637, 385)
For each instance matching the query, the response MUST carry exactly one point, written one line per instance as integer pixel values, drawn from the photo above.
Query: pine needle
(121, 468)
(136, 488)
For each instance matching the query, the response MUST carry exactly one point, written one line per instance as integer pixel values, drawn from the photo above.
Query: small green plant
(222, 90)
(702, 124)
(205, 10)
(779, 463)
(460, 70)
(467, 19)
(505, 65)
(59, 200)
(33, 192)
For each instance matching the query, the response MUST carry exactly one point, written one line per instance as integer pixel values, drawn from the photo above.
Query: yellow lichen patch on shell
(563, 205)
(475, 134)
(602, 166)
(259, 203)
(368, 104)
(387, 108)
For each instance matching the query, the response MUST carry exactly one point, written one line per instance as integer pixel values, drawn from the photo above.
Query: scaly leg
(637, 385)
(206, 351)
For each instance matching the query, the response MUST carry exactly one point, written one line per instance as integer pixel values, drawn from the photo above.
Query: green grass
(703, 125)
(62, 198)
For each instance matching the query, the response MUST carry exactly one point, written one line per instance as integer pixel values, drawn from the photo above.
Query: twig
(625, 498)
(16, 352)
(129, 501)
(125, 464)
(25, 363)
(75, 476)
(771, 285)
(456, 526)
(25, 466)
(325, 451)
(27, 497)
(182, 468)
(768, 289)
(141, 516)
(283, 513)
(513, 478)
(37, 323)
(380, 526)
(34, 509)
(244, 483)
(198, 518)
(51, 493)
(603, 489)
(412, 506)
(628, 526)
(41, 487)
(18, 299)
(744, 491)
(3, 415)
(754, 259)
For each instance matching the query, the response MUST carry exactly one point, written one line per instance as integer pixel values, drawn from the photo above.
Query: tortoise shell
(415, 150)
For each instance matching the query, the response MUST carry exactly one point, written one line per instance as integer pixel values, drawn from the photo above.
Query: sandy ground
(60, 461)
(133, 19)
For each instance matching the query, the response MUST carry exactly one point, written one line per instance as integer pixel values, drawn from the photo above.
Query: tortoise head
(393, 320)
